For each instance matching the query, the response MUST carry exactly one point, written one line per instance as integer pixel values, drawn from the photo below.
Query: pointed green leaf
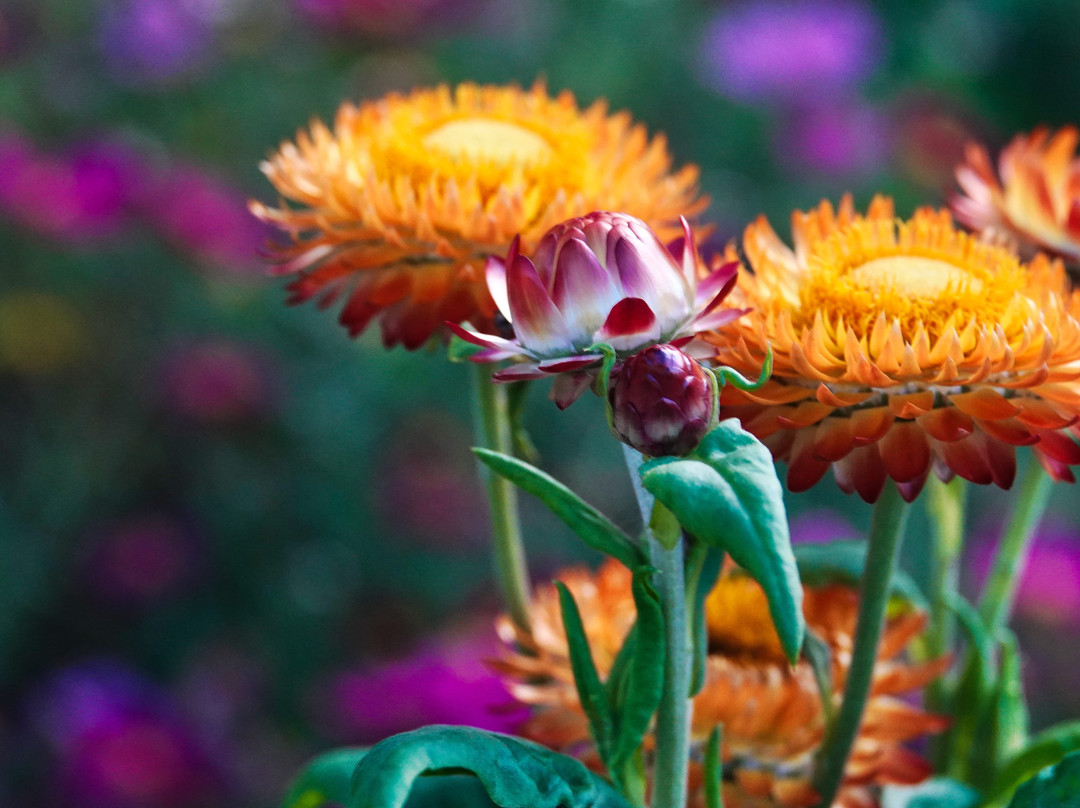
(819, 655)
(972, 693)
(940, 792)
(1057, 786)
(595, 529)
(714, 769)
(727, 495)
(516, 773)
(702, 570)
(324, 780)
(590, 691)
(1011, 727)
(1061, 742)
(645, 673)
(843, 561)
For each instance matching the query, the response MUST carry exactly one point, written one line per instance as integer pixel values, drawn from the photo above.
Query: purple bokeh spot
(783, 50)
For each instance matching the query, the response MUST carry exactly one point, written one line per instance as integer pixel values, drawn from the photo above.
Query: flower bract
(396, 208)
(901, 347)
(1033, 197)
(771, 713)
(601, 279)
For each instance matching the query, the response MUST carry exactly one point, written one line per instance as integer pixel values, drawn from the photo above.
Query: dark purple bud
(662, 401)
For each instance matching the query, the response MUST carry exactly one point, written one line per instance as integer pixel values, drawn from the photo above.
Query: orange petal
(804, 414)
(1040, 414)
(984, 403)
(904, 452)
(1009, 430)
(912, 405)
(805, 470)
(869, 426)
(833, 439)
(947, 424)
(835, 399)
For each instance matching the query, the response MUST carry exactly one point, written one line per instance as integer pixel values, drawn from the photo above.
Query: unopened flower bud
(662, 401)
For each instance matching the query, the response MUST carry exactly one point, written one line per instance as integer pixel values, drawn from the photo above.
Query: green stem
(1010, 560)
(493, 432)
(675, 710)
(886, 532)
(946, 505)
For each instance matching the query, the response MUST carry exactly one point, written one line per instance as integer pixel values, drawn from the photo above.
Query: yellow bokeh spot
(482, 139)
(738, 620)
(39, 333)
(914, 276)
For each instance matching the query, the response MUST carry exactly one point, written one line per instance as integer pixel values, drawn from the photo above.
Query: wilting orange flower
(1037, 200)
(402, 203)
(772, 714)
(902, 346)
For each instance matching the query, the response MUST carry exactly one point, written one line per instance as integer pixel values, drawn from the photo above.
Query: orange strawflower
(902, 346)
(1037, 199)
(399, 207)
(772, 714)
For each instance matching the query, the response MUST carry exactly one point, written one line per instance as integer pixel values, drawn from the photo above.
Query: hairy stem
(493, 432)
(886, 532)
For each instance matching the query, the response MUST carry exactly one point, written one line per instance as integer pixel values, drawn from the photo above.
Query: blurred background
(229, 535)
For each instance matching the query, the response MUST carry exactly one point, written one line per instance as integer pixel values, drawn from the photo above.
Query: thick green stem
(886, 532)
(1032, 499)
(675, 710)
(493, 432)
(946, 506)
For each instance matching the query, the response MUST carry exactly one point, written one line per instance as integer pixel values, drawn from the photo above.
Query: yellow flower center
(482, 139)
(738, 620)
(924, 278)
(922, 274)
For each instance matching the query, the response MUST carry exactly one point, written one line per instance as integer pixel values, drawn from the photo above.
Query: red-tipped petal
(904, 452)
(805, 470)
(569, 364)
(713, 289)
(947, 424)
(484, 340)
(656, 280)
(583, 290)
(629, 324)
(1059, 446)
(687, 256)
(538, 323)
(717, 318)
(517, 373)
(985, 403)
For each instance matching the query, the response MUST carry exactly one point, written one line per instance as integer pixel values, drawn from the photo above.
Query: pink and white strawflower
(604, 279)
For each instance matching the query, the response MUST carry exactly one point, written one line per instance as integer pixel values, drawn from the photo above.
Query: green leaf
(940, 792)
(1057, 786)
(1045, 749)
(714, 769)
(843, 561)
(645, 673)
(819, 655)
(702, 569)
(590, 691)
(516, 773)
(1012, 726)
(974, 690)
(595, 529)
(324, 780)
(727, 495)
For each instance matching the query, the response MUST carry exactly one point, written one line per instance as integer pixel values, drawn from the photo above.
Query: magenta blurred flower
(216, 381)
(662, 401)
(444, 682)
(141, 559)
(153, 41)
(821, 525)
(836, 139)
(790, 50)
(118, 742)
(85, 195)
(601, 278)
(203, 216)
(1048, 590)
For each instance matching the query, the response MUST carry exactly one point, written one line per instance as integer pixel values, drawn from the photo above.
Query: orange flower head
(1036, 201)
(772, 714)
(901, 346)
(396, 210)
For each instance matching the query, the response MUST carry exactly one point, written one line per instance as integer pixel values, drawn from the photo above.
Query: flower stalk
(493, 431)
(1010, 560)
(947, 503)
(886, 533)
(675, 710)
